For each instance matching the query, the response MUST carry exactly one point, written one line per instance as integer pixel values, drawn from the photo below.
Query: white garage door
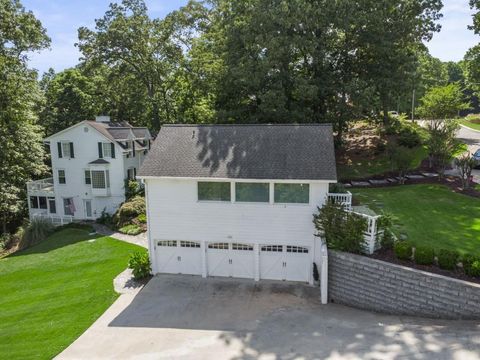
(179, 257)
(284, 262)
(231, 260)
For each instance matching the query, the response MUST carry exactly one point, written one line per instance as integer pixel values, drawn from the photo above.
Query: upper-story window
(106, 149)
(213, 191)
(65, 149)
(252, 192)
(61, 177)
(292, 193)
(88, 177)
(100, 179)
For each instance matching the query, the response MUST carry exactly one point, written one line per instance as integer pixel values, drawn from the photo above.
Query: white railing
(344, 199)
(44, 185)
(56, 220)
(371, 233)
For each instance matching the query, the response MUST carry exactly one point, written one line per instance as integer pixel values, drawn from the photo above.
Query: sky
(62, 19)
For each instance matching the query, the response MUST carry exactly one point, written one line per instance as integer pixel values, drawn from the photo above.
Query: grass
(52, 292)
(365, 168)
(470, 124)
(430, 215)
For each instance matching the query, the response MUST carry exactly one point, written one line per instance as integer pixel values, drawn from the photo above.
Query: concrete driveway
(182, 317)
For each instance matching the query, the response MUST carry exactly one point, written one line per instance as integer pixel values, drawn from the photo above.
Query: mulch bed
(388, 255)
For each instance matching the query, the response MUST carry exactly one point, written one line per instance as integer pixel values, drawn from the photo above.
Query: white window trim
(67, 144)
(108, 146)
(105, 178)
(64, 176)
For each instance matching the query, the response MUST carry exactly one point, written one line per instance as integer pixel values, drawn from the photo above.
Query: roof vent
(102, 118)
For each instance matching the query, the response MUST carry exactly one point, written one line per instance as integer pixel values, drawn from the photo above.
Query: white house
(90, 162)
(237, 200)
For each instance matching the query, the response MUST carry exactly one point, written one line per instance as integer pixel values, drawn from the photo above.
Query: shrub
(475, 269)
(139, 262)
(409, 137)
(129, 210)
(424, 255)
(385, 224)
(471, 265)
(343, 231)
(403, 250)
(142, 218)
(447, 259)
(132, 188)
(105, 218)
(131, 229)
(5, 241)
(36, 231)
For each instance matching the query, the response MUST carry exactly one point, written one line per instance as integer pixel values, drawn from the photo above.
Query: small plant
(471, 265)
(385, 224)
(447, 259)
(131, 229)
(424, 255)
(316, 275)
(403, 250)
(142, 218)
(139, 262)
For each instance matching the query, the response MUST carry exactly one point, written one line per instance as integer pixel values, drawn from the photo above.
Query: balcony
(43, 187)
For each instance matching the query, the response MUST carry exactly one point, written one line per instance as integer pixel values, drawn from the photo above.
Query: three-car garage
(236, 260)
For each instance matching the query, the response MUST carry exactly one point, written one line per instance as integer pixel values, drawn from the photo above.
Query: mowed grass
(51, 293)
(429, 214)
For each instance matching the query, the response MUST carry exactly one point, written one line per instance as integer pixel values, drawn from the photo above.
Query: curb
(469, 128)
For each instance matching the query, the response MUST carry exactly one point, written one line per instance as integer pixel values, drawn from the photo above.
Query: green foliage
(142, 218)
(132, 188)
(129, 210)
(401, 159)
(403, 250)
(105, 218)
(443, 102)
(73, 225)
(139, 262)
(447, 259)
(131, 229)
(337, 188)
(36, 231)
(442, 142)
(465, 164)
(471, 265)
(385, 224)
(342, 230)
(424, 255)
(474, 269)
(5, 241)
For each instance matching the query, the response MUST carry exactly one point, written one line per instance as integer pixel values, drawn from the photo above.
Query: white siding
(175, 214)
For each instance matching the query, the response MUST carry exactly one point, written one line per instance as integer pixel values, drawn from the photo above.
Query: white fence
(344, 199)
(56, 220)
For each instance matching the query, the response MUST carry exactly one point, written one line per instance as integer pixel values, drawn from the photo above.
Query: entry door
(231, 260)
(284, 262)
(88, 208)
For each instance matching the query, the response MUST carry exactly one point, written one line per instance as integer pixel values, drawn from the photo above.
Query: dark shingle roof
(99, 161)
(120, 131)
(295, 152)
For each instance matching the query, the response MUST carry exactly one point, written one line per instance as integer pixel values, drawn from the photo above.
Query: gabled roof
(282, 152)
(99, 162)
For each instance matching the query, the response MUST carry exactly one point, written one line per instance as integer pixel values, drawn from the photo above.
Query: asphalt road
(472, 139)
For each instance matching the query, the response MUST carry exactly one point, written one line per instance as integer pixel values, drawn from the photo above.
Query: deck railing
(344, 199)
(43, 185)
(55, 220)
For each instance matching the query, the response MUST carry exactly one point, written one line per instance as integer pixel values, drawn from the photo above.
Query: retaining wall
(376, 285)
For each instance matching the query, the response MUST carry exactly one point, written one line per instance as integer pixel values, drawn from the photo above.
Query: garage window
(291, 193)
(221, 246)
(272, 248)
(170, 243)
(242, 247)
(213, 191)
(252, 192)
(189, 244)
(297, 249)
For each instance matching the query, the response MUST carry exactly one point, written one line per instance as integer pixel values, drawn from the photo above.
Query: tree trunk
(155, 116)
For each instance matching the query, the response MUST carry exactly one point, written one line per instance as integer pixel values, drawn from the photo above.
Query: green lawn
(365, 168)
(51, 293)
(429, 214)
(469, 124)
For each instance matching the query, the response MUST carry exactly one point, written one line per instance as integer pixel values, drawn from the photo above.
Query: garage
(179, 257)
(231, 260)
(284, 262)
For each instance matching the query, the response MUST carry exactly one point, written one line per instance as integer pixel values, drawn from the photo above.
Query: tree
(465, 164)
(442, 142)
(442, 102)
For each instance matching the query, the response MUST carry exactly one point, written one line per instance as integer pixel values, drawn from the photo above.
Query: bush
(132, 188)
(475, 269)
(131, 229)
(409, 137)
(403, 250)
(471, 265)
(385, 224)
(105, 218)
(5, 241)
(142, 218)
(447, 259)
(424, 255)
(129, 210)
(36, 231)
(139, 262)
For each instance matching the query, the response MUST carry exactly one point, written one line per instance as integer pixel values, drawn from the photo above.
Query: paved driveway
(182, 317)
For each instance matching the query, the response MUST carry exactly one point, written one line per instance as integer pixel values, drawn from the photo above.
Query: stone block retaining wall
(376, 285)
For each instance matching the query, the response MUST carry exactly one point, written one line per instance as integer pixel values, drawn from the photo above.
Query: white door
(87, 206)
(231, 260)
(179, 257)
(284, 262)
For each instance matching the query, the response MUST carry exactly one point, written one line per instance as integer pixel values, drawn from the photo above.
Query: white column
(151, 244)
(232, 191)
(256, 250)
(272, 192)
(324, 274)
(203, 247)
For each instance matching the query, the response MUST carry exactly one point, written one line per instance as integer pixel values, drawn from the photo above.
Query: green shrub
(403, 250)
(36, 231)
(447, 259)
(132, 188)
(105, 218)
(142, 218)
(471, 265)
(475, 269)
(409, 137)
(424, 255)
(139, 262)
(129, 210)
(131, 229)
(5, 241)
(385, 224)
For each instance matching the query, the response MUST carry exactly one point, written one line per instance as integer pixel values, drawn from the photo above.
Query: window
(272, 248)
(61, 177)
(292, 193)
(189, 244)
(242, 247)
(252, 192)
(213, 191)
(131, 173)
(297, 249)
(42, 202)
(168, 243)
(88, 177)
(107, 150)
(220, 246)
(66, 149)
(52, 205)
(98, 179)
(33, 202)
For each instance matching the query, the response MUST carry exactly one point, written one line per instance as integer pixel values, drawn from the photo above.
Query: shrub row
(446, 259)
